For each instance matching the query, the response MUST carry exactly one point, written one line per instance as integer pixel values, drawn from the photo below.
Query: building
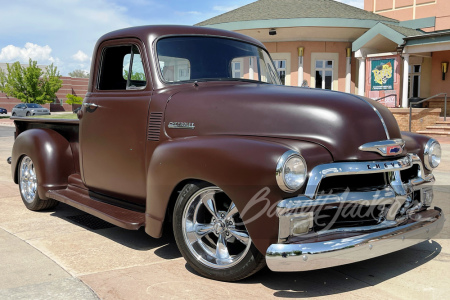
(404, 10)
(379, 52)
(75, 86)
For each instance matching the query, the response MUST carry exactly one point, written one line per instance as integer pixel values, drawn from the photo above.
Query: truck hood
(340, 122)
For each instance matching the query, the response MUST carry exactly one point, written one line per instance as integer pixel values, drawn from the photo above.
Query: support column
(348, 74)
(405, 80)
(250, 71)
(362, 76)
(300, 66)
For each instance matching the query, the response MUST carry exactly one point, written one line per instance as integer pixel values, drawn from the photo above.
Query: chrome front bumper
(319, 255)
(403, 225)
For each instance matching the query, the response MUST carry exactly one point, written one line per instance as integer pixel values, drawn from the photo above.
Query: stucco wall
(310, 48)
(439, 85)
(413, 9)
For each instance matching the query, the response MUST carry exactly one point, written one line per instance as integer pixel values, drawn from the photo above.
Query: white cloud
(356, 3)
(225, 8)
(80, 56)
(13, 53)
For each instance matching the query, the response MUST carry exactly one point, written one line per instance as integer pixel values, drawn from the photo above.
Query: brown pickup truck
(191, 127)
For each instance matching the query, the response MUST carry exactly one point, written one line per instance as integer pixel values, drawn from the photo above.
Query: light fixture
(444, 66)
(301, 51)
(273, 31)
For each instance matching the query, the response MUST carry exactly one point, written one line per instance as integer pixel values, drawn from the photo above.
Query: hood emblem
(181, 125)
(385, 148)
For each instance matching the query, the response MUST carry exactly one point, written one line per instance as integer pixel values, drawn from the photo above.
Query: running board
(118, 216)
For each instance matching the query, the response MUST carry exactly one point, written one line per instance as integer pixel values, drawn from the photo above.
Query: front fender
(242, 167)
(51, 155)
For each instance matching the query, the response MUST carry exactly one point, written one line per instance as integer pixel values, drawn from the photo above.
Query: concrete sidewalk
(66, 254)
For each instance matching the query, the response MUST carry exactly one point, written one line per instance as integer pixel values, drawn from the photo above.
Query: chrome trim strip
(379, 197)
(352, 168)
(319, 255)
(380, 147)
(379, 115)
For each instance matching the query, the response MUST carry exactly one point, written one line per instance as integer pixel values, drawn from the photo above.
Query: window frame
(121, 43)
(411, 74)
(324, 69)
(169, 83)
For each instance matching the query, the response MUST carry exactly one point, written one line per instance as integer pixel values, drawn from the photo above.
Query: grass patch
(70, 116)
(4, 117)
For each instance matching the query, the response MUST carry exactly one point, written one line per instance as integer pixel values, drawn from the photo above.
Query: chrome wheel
(213, 230)
(27, 179)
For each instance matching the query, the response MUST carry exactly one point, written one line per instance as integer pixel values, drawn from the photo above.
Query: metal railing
(425, 100)
(391, 95)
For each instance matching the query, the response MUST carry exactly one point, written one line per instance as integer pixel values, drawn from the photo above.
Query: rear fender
(51, 155)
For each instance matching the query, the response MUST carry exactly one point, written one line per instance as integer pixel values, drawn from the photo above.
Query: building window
(414, 80)
(324, 74)
(236, 69)
(281, 69)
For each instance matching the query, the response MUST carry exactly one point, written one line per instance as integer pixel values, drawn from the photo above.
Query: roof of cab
(152, 32)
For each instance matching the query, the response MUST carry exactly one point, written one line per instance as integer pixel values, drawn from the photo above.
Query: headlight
(291, 171)
(432, 154)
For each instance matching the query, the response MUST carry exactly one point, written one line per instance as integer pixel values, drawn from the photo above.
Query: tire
(28, 114)
(28, 187)
(211, 236)
(13, 114)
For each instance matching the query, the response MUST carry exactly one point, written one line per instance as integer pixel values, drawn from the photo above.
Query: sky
(64, 32)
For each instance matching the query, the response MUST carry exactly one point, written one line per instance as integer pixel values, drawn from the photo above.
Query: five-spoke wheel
(212, 236)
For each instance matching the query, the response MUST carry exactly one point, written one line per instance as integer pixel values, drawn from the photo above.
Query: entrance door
(113, 127)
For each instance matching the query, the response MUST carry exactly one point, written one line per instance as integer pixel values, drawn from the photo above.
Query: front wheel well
(174, 196)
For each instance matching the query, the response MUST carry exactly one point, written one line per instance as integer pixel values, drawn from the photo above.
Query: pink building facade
(404, 10)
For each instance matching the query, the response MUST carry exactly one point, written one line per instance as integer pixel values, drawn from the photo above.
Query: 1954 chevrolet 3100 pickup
(190, 126)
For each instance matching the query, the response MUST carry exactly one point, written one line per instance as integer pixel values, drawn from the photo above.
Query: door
(113, 126)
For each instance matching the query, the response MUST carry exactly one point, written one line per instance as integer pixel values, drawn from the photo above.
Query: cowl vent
(154, 126)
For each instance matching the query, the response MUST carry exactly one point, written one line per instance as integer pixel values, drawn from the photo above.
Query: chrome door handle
(90, 105)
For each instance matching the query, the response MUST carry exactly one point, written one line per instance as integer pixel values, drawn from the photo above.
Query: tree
(30, 84)
(134, 76)
(72, 99)
(79, 74)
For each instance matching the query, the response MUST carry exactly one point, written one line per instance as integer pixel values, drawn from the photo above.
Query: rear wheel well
(16, 171)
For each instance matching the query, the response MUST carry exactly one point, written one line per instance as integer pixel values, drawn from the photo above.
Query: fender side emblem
(181, 125)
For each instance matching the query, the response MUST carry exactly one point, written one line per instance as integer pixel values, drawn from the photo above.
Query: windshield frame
(225, 79)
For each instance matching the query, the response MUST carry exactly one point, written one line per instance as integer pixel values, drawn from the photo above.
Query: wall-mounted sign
(382, 75)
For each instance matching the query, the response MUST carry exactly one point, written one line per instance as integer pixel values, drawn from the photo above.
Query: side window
(121, 69)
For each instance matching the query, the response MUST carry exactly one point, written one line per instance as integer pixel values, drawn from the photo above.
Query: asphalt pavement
(65, 254)
(6, 131)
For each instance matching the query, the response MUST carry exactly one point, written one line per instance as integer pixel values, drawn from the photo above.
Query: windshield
(212, 58)
(32, 105)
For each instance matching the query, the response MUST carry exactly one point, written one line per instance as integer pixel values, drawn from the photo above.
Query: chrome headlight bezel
(430, 147)
(280, 171)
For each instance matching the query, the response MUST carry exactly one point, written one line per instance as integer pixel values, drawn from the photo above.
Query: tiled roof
(404, 30)
(292, 9)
